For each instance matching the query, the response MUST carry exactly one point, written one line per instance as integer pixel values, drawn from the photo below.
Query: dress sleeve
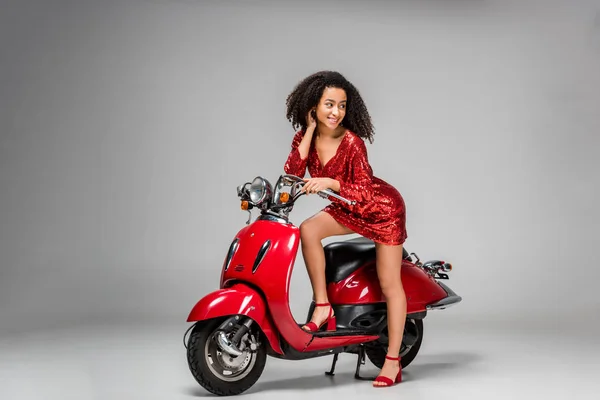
(295, 165)
(359, 187)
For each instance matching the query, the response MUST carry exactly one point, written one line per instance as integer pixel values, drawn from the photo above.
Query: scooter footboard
(238, 299)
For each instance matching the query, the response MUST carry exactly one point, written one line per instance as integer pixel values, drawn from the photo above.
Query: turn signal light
(284, 197)
(244, 205)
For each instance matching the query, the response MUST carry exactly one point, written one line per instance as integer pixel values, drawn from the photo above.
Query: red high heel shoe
(387, 381)
(331, 325)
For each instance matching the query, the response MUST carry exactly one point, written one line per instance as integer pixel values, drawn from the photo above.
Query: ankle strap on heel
(322, 304)
(392, 358)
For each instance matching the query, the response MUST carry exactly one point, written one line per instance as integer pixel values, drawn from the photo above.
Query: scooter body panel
(238, 299)
(265, 258)
(362, 287)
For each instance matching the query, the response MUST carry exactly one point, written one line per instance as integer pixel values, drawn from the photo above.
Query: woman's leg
(389, 263)
(312, 232)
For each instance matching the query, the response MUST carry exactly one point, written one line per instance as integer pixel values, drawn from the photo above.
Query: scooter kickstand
(330, 372)
(359, 362)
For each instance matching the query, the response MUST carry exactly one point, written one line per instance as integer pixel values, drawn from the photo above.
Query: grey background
(127, 125)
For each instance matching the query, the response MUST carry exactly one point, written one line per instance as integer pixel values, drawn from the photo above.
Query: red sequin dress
(379, 212)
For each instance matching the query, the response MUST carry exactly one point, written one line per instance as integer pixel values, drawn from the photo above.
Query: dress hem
(362, 231)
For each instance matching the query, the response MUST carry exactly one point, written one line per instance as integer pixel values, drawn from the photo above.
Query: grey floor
(455, 362)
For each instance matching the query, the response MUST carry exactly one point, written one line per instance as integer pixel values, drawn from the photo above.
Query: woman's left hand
(314, 185)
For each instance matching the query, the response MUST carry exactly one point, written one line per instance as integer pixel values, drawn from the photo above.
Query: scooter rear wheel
(377, 351)
(215, 370)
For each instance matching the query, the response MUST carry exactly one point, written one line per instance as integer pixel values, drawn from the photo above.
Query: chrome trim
(327, 192)
(447, 301)
(230, 253)
(243, 189)
(434, 267)
(226, 345)
(446, 267)
(261, 255)
(277, 190)
(267, 191)
(272, 217)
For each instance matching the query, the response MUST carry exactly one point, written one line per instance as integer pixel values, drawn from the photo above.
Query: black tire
(377, 351)
(202, 349)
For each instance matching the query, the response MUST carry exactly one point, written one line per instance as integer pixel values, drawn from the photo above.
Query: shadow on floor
(425, 367)
(316, 382)
(433, 366)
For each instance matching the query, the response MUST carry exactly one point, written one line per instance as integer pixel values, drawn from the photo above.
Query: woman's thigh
(322, 225)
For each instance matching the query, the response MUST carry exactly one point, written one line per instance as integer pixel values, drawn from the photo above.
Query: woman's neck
(325, 132)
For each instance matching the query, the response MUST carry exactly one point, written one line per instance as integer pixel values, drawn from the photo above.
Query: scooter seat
(343, 258)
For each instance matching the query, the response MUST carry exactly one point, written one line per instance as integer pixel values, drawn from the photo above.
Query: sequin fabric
(379, 213)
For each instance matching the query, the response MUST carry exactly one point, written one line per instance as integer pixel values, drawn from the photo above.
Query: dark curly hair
(308, 92)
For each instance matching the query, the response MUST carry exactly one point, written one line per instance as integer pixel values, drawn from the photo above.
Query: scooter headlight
(260, 190)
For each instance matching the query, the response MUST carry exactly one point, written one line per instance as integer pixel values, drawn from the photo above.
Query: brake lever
(322, 193)
(326, 193)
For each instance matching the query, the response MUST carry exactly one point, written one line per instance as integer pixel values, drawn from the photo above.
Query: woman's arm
(296, 162)
(359, 186)
(297, 159)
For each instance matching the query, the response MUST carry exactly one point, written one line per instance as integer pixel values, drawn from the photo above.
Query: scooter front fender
(238, 299)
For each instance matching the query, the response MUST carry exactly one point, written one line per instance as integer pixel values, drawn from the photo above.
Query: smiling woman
(334, 121)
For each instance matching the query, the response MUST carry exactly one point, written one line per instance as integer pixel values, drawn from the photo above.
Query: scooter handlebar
(327, 192)
(323, 193)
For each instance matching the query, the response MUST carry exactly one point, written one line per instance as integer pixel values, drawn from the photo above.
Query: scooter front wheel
(219, 372)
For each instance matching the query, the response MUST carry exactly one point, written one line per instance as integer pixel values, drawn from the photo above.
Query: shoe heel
(399, 376)
(331, 324)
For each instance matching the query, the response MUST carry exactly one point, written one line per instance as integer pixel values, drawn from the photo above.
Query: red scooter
(249, 317)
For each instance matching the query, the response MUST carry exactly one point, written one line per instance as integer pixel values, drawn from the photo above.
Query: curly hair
(307, 95)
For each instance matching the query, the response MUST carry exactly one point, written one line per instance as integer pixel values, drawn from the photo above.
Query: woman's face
(332, 107)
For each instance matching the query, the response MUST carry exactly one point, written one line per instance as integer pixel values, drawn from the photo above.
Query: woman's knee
(391, 289)
(309, 231)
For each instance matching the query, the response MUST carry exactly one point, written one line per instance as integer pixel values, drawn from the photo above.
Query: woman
(334, 121)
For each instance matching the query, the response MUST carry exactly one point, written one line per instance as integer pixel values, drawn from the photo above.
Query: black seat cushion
(343, 258)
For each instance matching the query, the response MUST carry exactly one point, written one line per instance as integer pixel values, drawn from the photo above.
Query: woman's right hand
(311, 122)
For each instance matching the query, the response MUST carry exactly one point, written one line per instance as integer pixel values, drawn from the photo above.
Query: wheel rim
(405, 351)
(226, 367)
